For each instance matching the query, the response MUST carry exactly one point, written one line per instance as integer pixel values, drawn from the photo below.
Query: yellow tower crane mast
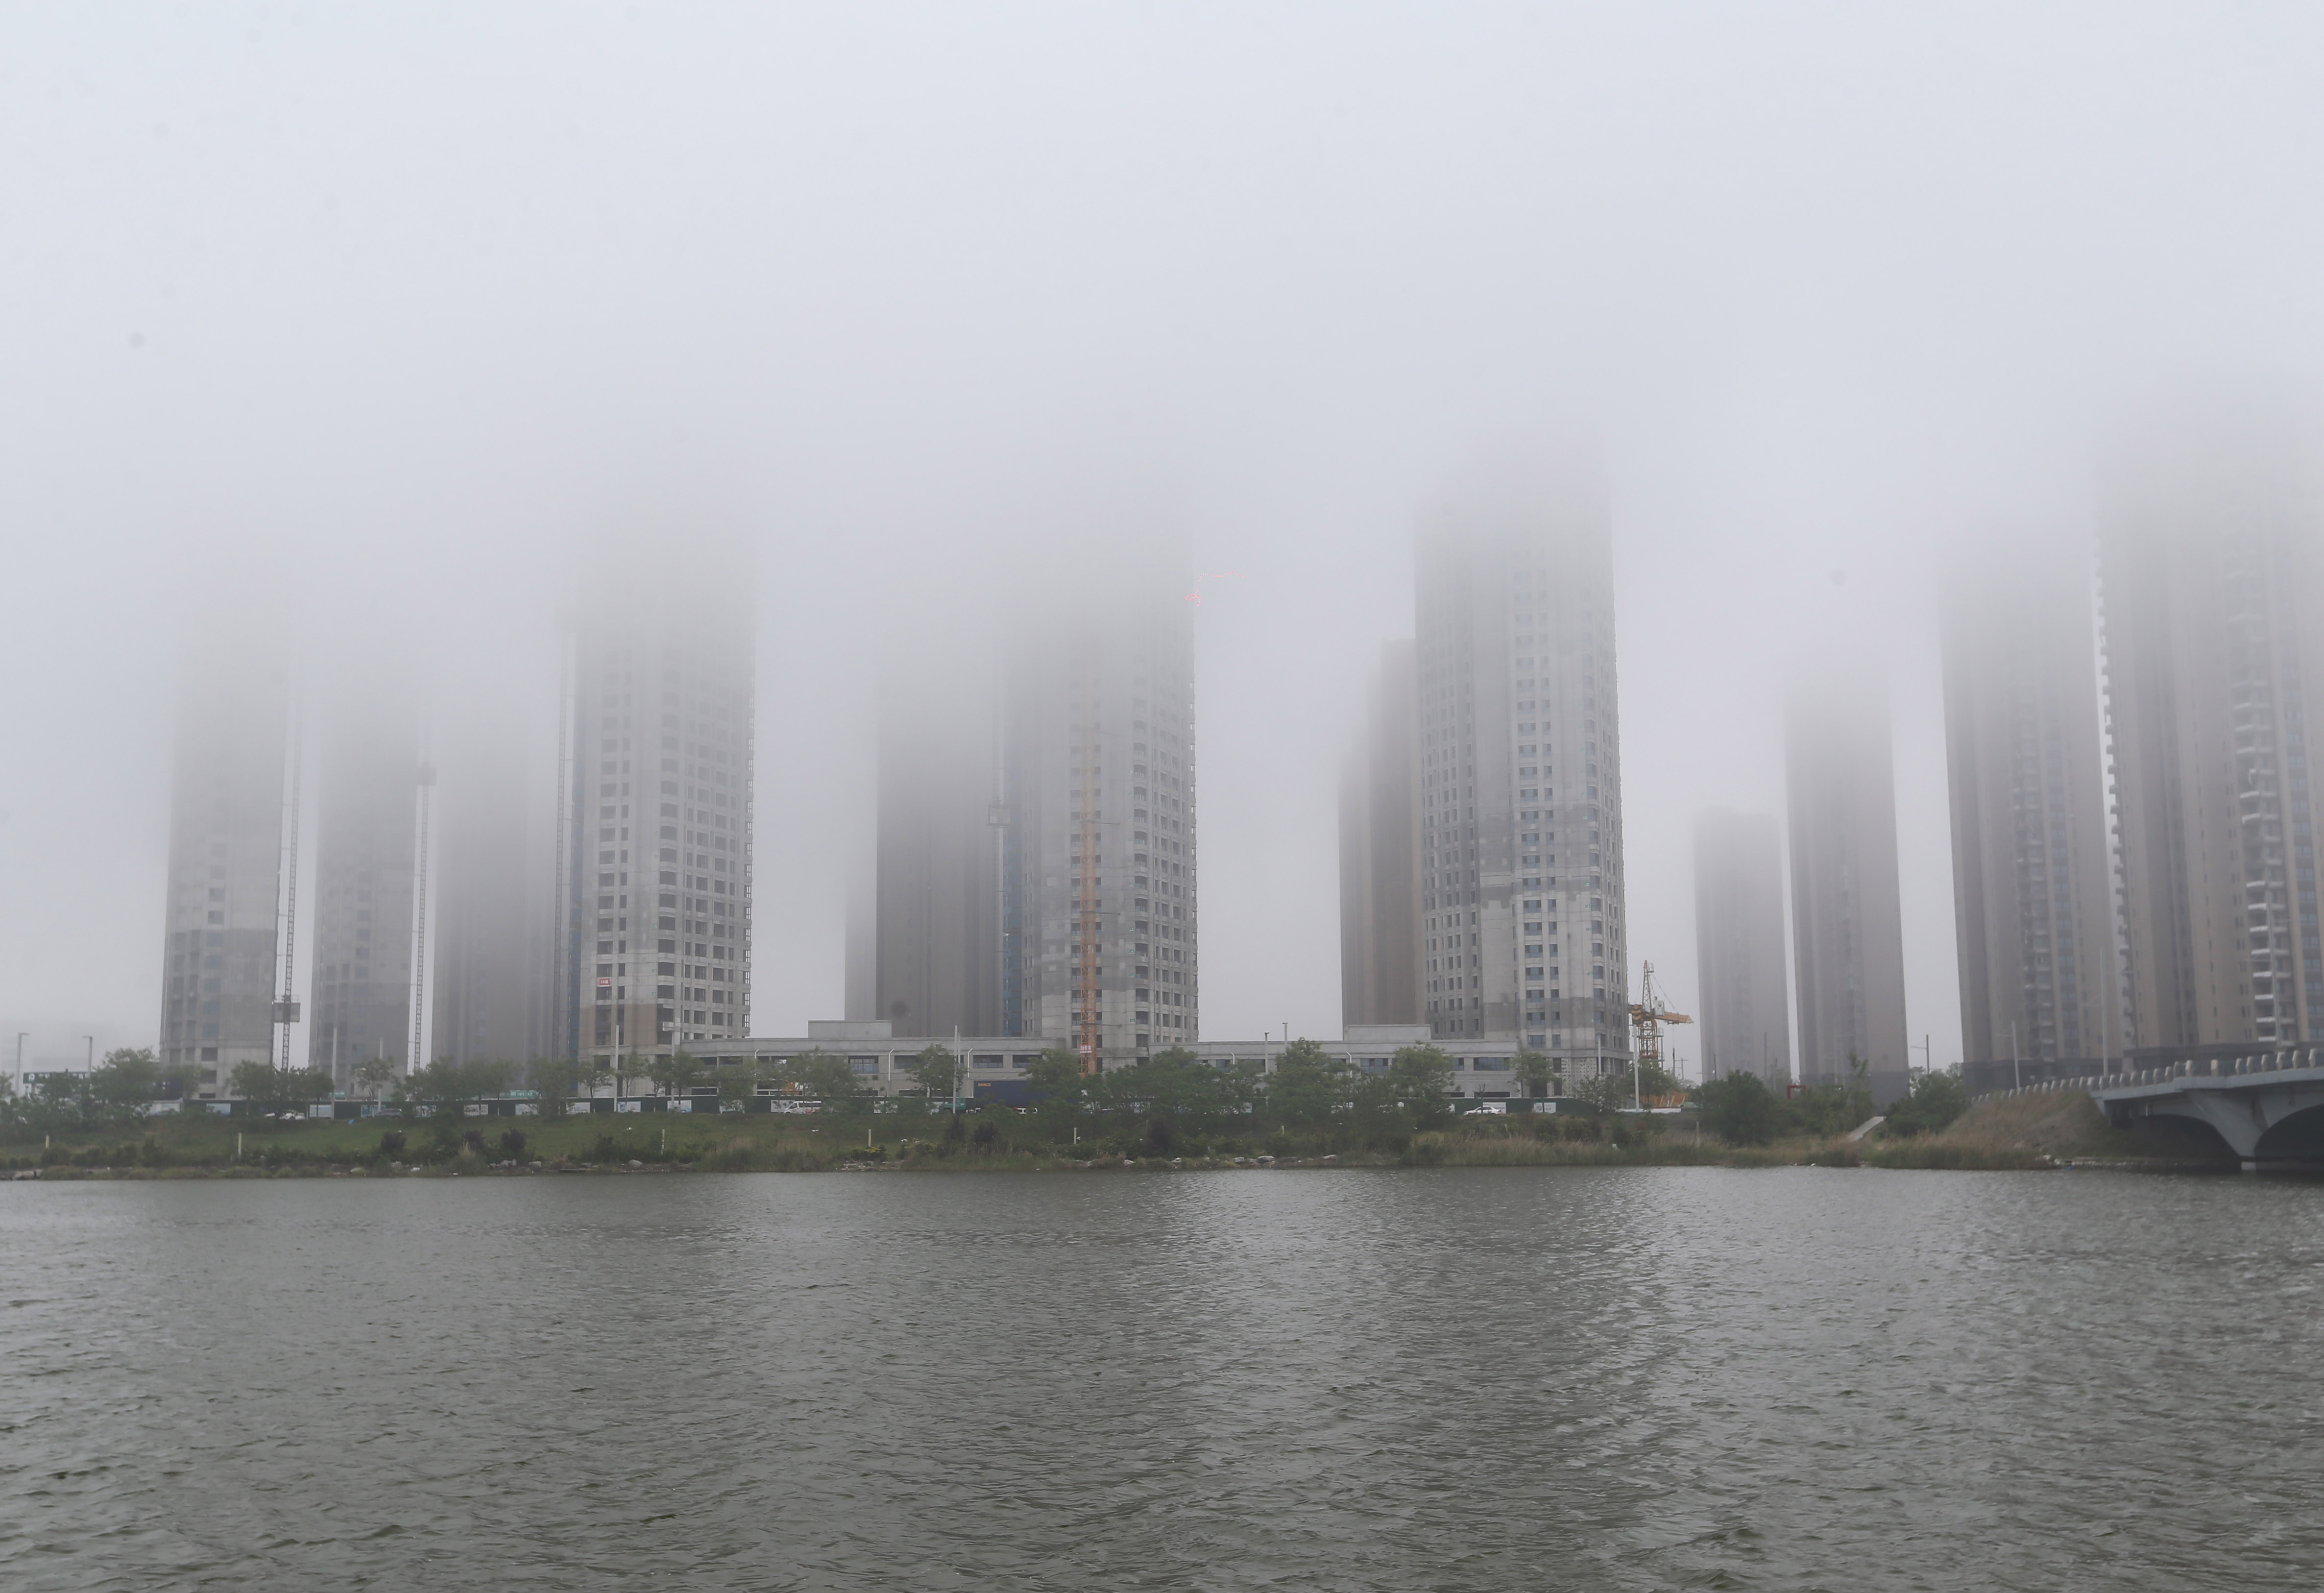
(1648, 1014)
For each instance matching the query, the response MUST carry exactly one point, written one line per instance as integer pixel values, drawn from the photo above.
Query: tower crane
(1648, 1014)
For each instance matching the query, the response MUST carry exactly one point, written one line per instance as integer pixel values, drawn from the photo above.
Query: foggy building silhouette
(221, 945)
(1379, 853)
(1522, 927)
(2033, 911)
(491, 958)
(1038, 843)
(943, 843)
(2210, 528)
(366, 840)
(1744, 1000)
(654, 853)
(1847, 921)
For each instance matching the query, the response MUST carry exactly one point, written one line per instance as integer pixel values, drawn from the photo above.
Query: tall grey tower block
(1380, 854)
(1522, 924)
(1743, 1006)
(654, 854)
(220, 946)
(1847, 921)
(2032, 894)
(2211, 530)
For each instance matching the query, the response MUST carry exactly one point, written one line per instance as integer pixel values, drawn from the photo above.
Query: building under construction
(1038, 829)
(654, 855)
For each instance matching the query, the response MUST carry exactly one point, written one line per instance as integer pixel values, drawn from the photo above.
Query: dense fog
(374, 333)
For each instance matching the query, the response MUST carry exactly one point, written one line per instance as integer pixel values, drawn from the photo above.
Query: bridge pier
(2236, 1118)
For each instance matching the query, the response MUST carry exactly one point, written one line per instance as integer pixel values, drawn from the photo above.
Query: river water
(1444, 1379)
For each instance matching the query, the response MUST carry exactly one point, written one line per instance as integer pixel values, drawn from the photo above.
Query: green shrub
(1740, 1109)
(1933, 1103)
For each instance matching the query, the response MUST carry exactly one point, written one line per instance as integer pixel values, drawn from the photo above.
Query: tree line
(1307, 1087)
(1743, 1111)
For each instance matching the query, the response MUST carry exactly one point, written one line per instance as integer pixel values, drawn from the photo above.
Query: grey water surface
(1668, 1379)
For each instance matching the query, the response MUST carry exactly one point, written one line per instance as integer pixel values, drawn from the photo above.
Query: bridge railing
(2284, 1060)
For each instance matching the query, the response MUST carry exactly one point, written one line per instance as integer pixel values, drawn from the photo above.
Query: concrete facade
(1743, 1004)
(1521, 919)
(221, 947)
(2210, 534)
(2033, 911)
(1846, 921)
(655, 847)
(1379, 853)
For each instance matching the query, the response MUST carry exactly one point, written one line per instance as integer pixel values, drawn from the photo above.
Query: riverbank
(2027, 1133)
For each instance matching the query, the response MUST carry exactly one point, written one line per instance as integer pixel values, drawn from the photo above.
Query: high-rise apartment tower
(1846, 921)
(2211, 531)
(1522, 927)
(1743, 1004)
(654, 921)
(220, 945)
(2033, 890)
(1380, 854)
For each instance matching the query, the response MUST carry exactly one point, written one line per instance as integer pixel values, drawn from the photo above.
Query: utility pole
(2016, 1067)
(1928, 1057)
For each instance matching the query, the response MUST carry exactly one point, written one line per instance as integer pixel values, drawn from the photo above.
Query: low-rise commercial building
(1483, 1069)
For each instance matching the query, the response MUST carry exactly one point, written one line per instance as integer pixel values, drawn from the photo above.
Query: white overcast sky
(381, 308)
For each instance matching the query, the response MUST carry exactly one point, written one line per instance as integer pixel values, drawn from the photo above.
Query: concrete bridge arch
(2266, 1110)
(2298, 1138)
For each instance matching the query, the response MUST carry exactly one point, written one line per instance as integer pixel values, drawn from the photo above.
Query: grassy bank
(205, 1144)
(2027, 1133)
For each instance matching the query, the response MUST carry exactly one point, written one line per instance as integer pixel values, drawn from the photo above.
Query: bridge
(2266, 1109)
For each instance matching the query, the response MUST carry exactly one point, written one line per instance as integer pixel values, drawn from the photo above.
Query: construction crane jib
(1648, 1014)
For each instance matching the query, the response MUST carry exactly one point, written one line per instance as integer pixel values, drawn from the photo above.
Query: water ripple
(1592, 1379)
